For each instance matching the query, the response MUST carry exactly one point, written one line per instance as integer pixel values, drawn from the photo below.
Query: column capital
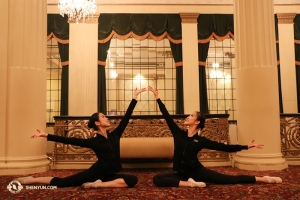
(87, 21)
(286, 18)
(189, 17)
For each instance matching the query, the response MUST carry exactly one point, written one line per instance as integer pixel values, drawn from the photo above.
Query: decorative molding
(93, 20)
(189, 17)
(289, 134)
(286, 18)
(174, 2)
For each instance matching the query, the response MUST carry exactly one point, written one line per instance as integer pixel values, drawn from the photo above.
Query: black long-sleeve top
(107, 149)
(186, 148)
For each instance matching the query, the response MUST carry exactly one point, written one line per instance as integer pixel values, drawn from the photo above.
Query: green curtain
(64, 93)
(177, 54)
(58, 27)
(279, 80)
(219, 26)
(102, 55)
(202, 56)
(64, 101)
(297, 55)
(278, 65)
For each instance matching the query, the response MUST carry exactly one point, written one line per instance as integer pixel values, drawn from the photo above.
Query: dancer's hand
(252, 144)
(137, 92)
(155, 92)
(39, 134)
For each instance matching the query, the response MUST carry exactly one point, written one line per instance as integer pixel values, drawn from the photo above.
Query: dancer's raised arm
(123, 123)
(172, 125)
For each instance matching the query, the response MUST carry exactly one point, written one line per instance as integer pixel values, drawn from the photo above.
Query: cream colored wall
(3, 78)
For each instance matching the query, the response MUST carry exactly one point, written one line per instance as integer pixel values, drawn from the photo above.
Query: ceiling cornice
(176, 2)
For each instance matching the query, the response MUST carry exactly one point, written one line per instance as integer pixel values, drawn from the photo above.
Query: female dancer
(106, 145)
(187, 143)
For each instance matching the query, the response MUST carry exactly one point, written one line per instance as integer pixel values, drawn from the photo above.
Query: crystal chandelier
(78, 9)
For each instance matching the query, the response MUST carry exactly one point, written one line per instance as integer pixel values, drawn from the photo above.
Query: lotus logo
(14, 187)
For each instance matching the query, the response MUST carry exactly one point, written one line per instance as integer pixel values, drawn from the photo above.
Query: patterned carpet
(289, 189)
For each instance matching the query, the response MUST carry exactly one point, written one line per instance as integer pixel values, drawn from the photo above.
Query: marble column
(83, 67)
(257, 85)
(23, 86)
(287, 61)
(190, 62)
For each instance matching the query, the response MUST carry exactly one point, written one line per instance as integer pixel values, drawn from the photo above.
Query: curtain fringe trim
(139, 37)
(219, 38)
(158, 38)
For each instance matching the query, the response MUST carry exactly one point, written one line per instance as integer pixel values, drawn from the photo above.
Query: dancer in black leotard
(187, 143)
(106, 145)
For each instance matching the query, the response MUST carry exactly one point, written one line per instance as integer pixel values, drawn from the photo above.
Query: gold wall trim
(93, 20)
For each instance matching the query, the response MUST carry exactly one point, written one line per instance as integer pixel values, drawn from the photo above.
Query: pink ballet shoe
(273, 179)
(91, 184)
(22, 180)
(196, 184)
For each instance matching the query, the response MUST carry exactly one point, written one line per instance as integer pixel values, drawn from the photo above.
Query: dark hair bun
(93, 119)
(91, 124)
(202, 124)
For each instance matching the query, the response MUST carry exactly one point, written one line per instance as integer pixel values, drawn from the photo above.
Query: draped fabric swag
(58, 27)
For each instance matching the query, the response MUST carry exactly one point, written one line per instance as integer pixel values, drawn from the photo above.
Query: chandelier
(78, 9)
